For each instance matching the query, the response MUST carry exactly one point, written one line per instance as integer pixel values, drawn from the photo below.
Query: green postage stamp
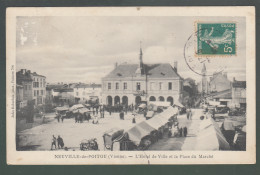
(216, 39)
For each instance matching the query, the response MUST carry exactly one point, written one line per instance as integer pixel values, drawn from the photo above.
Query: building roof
(20, 77)
(226, 94)
(218, 77)
(35, 74)
(239, 84)
(152, 70)
(54, 86)
(83, 85)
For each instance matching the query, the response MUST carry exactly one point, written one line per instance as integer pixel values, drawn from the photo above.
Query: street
(40, 137)
(182, 143)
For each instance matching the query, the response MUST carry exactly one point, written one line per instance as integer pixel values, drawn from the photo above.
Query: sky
(85, 49)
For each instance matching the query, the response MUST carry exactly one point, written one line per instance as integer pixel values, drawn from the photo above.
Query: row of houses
(32, 87)
(233, 97)
(219, 88)
(72, 93)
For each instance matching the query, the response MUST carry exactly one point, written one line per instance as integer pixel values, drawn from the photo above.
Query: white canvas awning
(177, 103)
(77, 106)
(210, 137)
(160, 103)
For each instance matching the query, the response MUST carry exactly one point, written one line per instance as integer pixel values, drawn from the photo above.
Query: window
(160, 85)
(109, 86)
(125, 85)
(117, 85)
(37, 92)
(34, 92)
(77, 93)
(29, 87)
(41, 92)
(170, 86)
(138, 86)
(237, 94)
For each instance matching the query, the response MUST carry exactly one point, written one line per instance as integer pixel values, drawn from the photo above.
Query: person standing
(145, 114)
(58, 118)
(188, 113)
(110, 110)
(185, 131)
(60, 142)
(133, 120)
(181, 132)
(53, 142)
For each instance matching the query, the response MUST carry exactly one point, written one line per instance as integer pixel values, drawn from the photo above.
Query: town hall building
(132, 84)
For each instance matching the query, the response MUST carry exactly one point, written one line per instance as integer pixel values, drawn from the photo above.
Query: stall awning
(210, 137)
(81, 110)
(150, 114)
(63, 108)
(160, 103)
(156, 122)
(177, 103)
(139, 131)
(142, 105)
(77, 106)
(228, 125)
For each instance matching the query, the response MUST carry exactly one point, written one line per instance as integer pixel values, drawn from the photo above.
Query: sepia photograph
(131, 83)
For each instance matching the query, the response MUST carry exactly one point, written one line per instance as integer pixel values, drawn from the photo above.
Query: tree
(190, 92)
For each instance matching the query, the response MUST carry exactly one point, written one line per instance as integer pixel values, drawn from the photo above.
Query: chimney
(23, 71)
(116, 65)
(29, 72)
(176, 65)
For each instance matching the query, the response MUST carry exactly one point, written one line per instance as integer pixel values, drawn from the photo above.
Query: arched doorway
(117, 100)
(161, 98)
(152, 98)
(125, 100)
(138, 100)
(170, 99)
(109, 100)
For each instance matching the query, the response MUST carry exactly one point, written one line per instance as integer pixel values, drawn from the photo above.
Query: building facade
(24, 79)
(59, 95)
(84, 92)
(39, 88)
(132, 84)
(239, 94)
(219, 82)
(34, 86)
(20, 102)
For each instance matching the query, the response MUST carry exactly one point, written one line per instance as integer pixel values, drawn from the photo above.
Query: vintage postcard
(131, 85)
